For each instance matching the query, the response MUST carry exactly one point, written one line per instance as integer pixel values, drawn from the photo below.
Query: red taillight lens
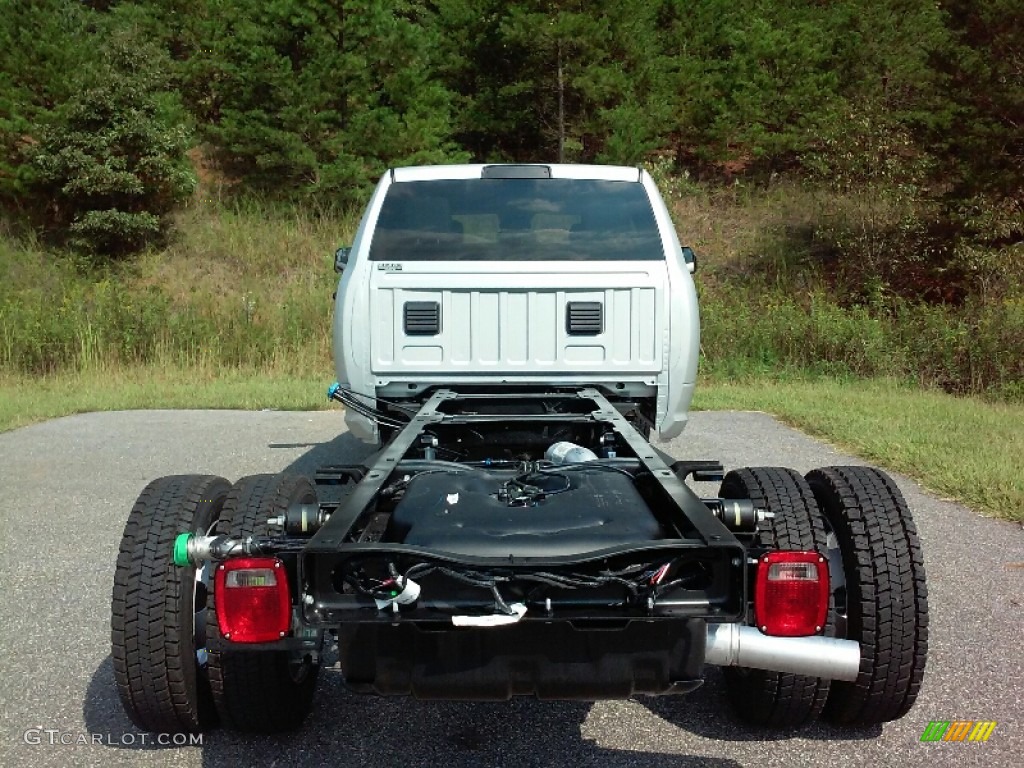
(251, 594)
(791, 593)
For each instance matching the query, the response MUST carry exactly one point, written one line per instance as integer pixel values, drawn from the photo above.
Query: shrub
(111, 162)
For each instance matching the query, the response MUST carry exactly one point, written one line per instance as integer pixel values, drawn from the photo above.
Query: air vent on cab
(584, 318)
(421, 318)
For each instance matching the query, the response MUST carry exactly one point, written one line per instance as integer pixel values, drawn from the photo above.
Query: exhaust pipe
(737, 645)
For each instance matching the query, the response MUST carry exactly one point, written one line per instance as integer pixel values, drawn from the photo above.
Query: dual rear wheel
(162, 615)
(857, 517)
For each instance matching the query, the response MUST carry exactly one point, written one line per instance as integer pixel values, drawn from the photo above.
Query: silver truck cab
(518, 277)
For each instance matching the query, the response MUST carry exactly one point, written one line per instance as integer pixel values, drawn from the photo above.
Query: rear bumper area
(549, 660)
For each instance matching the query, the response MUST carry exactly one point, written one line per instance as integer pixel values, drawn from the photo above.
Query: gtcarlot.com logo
(55, 737)
(958, 730)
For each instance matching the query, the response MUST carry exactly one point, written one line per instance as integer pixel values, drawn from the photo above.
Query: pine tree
(554, 80)
(756, 79)
(985, 143)
(110, 162)
(317, 98)
(43, 44)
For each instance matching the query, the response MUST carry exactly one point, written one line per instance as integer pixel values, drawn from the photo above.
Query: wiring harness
(640, 581)
(367, 406)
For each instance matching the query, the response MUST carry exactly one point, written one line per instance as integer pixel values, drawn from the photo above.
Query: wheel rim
(837, 581)
(202, 585)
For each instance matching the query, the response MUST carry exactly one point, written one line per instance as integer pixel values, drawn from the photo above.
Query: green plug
(181, 549)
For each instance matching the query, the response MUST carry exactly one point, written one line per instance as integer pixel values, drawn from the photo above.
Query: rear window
(516, 219)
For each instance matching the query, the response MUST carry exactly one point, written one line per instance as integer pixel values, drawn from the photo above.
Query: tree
(638, 112)
(985, 143)
(42, 43)
(109, 164)
(316, 98)
(756, 80)
(558, 80)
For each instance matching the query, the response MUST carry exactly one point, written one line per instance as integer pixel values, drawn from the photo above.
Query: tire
(158, 609)
(760, 697)
(262, 691)
(885, 605)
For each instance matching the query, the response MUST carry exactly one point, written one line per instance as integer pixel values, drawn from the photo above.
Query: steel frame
(699, 533)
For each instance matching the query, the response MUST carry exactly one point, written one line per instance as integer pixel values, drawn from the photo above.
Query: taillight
(253, 604)
(791, 593)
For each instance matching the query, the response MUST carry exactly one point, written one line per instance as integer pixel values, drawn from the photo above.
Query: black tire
(760, 697)
(155, 606)
(262, 691)
(885, 606)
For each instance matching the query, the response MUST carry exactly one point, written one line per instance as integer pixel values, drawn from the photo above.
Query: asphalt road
(65, 490)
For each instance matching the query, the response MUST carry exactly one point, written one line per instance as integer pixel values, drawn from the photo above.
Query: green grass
(247, 288)
(965, 449)
(961, 448)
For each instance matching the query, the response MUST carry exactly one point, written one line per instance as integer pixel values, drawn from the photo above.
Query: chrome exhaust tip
(737, 645)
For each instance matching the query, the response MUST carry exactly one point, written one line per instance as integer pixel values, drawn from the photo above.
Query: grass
(245, 288)
(965, 449)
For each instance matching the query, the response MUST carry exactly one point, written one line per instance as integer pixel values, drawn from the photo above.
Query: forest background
(175, 175)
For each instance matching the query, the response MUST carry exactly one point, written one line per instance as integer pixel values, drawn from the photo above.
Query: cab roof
(510, 170)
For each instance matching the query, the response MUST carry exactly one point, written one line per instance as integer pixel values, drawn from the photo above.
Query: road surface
(65, 490)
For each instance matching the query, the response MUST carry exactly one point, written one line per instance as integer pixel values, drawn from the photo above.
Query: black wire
(448, 450)
(378, 593)
(502, 605)
(585, 465)
(471, 579)
(467, 578)
(543, 578)
(529, 493)
(659, 588)
(420, 569)
(369, 412)
(490, 581)
(557, 580)
(629, 569)
(414, 464)
(400, 486)
(393, 403)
